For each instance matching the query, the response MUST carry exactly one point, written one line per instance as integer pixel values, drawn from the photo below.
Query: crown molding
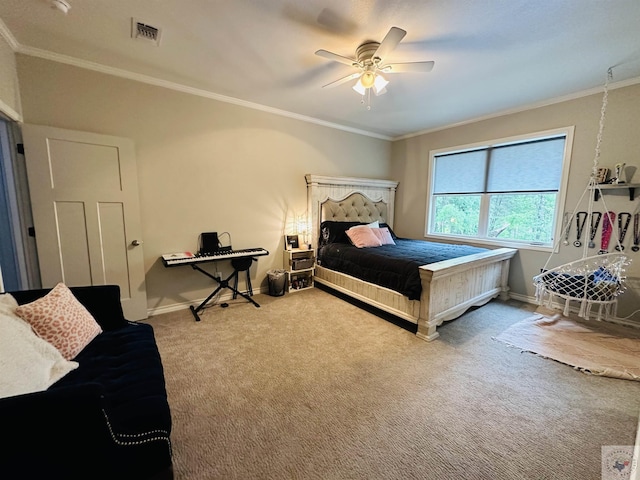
(531, 106)
(138, 77)
(313, 179)
(10, 112)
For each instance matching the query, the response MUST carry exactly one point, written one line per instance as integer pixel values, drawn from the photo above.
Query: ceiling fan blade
(416, 67)
(336, 58)
(391, 41)
(342, 80)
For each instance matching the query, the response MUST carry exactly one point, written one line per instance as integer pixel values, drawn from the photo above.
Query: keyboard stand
(222, 283)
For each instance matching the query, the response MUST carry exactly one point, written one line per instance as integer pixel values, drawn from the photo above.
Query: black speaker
(209, 243)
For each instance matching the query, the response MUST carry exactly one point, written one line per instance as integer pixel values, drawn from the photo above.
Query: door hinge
(20, 148)
(31, 231)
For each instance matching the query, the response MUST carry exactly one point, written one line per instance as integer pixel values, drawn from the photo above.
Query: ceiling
(491, 56)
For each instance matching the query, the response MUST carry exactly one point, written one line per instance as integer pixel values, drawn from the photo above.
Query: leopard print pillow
(60, 319)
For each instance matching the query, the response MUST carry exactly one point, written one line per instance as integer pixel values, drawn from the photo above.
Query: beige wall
(203, 165)
(9, 91)
(621, 143)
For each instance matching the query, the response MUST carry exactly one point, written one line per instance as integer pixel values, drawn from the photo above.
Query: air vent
(144, 31)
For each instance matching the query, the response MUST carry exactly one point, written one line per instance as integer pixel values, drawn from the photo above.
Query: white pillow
(375, 224)
(27, 362)
(7, 303)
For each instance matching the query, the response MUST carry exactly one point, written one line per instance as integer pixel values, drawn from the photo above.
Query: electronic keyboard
(188, 258)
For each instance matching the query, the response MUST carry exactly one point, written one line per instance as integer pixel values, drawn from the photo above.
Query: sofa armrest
(102, 302)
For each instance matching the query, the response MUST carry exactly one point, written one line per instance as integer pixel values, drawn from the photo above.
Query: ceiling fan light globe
(358, 87)
(379, 84)
(368, 79)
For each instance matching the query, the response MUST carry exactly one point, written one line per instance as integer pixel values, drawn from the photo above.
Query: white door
(86, 214)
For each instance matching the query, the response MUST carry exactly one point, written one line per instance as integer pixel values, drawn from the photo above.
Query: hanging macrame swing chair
(594, 281)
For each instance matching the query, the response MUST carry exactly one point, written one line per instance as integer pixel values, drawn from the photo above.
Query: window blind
(533, 166)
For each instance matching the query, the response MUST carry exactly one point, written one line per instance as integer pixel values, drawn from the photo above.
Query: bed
(447, 289)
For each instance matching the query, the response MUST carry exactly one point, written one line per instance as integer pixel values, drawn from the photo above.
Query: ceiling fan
(370, 62)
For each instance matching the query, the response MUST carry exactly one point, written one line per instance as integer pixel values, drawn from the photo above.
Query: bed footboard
(451, 287)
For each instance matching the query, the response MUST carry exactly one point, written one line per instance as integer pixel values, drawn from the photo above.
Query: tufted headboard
(347, 199)
(355, 208)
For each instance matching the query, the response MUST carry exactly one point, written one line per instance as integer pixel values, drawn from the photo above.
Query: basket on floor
(593, 281)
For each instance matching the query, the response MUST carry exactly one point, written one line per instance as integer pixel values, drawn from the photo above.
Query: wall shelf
(620, 186)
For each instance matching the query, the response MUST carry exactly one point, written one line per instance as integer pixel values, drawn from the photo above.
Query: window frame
(567, 132)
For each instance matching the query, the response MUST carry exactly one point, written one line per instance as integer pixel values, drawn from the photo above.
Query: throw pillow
(363, 237)
(60, 319)
(375, 224)
(384, 235)
(27, 362)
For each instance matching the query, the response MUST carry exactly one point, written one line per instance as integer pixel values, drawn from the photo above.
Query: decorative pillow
(393, 235)
(383, 234)
(60, 319)
(334, 232)
(27, 362)
(363, 237)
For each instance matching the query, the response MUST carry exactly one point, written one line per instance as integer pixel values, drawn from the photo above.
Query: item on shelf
(291, 242)
(602, 175)
(619, 170)
(302, 263)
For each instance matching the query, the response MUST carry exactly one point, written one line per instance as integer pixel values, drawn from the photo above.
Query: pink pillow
(384, 235)
(60, 319)
(363, 237)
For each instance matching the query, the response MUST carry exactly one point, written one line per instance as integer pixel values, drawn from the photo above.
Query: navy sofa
(108, 419)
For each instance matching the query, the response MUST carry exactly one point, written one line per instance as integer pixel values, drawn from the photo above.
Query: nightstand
(300, 265)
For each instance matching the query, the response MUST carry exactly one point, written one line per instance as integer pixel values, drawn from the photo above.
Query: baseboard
(523, 298)
(174, 307)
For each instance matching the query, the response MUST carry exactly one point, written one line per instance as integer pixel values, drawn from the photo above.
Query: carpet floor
(310, 386)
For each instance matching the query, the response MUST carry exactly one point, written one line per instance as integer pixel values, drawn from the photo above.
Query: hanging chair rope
(593, 280)
(603, 112)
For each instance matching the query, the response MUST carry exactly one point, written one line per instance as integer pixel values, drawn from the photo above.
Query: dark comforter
(391, 266)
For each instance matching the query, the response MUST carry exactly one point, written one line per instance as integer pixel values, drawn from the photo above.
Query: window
(509, 192)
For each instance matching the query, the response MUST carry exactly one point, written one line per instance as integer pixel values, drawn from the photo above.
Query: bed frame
(449, 288)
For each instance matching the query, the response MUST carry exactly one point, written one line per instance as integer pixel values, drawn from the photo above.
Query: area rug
(596, 347)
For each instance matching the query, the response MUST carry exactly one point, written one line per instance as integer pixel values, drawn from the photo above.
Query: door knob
(136, 243)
